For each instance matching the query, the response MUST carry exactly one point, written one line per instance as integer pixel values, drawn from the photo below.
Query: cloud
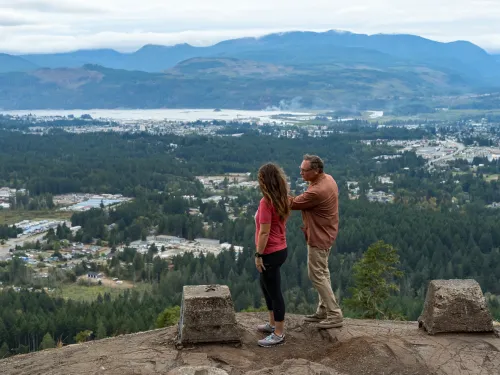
(61, 25)
(122, 41)
(52, 6)
(8, 19)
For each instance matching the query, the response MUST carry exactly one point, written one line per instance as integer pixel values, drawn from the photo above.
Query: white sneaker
(272, 340)
(265, 328)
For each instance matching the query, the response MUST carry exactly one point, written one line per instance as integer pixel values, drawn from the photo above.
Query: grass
(12, 217)
(487, 177)
(90, 293)
(492, 177)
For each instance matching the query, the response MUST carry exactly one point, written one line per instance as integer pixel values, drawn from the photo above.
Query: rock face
(455, 306)
(207, 315)
(296, 367)
(360, 347)
(197, 370)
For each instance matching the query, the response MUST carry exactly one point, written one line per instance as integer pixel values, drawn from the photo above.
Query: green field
(90, 293)
(12, 217)
(491, 177)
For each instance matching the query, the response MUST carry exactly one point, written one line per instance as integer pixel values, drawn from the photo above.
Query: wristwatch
(258, 255)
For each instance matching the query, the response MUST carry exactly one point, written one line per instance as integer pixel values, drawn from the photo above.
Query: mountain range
(9, 63)
(306, 68)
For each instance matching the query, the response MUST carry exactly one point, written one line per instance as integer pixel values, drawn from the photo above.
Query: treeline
(129, 163)
(7, 231)
(25, 201)
(107, 163)
(25, 122)
(26, 317)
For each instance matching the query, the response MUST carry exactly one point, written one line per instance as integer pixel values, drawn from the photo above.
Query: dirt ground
(105, 281)
(360, 347)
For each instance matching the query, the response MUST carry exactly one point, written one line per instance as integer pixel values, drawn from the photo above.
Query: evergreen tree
(168, 317)
(47, 342)
(4, 351)
(374, 276)
(101, 331)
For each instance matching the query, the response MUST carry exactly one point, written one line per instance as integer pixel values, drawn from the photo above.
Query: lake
(124, 115)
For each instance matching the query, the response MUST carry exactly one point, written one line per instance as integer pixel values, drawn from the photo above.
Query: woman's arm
(263, 237)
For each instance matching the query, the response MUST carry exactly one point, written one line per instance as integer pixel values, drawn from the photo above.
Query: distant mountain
(9, 63)
(225, 83)
(77, 59)
(149, 58)
(199, 66)
(303, 48)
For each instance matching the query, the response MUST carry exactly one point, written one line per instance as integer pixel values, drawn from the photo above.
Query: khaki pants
(319, 274)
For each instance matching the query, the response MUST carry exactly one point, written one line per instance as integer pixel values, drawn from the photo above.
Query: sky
(47, 26)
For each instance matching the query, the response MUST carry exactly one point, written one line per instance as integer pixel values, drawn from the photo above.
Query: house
(94, 275)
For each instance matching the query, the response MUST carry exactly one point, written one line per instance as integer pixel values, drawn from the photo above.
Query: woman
(270, 240)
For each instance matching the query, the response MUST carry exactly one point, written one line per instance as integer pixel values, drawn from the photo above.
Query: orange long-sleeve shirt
(320, 211)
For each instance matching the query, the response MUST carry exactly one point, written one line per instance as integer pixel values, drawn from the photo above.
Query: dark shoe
(265, 328)
(315, 318)
(272, 340)
(333, 322)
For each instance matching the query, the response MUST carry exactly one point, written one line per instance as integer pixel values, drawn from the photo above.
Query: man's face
(306, 172)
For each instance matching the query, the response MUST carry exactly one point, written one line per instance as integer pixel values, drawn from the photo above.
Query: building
(207, 242)
(167, 239)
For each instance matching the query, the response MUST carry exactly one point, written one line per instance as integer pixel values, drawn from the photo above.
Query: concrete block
(455, 306)
(207, 315)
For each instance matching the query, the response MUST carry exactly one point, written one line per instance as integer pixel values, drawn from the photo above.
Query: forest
(438, 224)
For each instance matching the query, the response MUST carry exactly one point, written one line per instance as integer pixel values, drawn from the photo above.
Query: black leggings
(270, 282)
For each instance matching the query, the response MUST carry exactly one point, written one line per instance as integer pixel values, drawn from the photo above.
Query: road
(11, 243)
(459, 146)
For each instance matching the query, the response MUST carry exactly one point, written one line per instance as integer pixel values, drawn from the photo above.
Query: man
(320, 215)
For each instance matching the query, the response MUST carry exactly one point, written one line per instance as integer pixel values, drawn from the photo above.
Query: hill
(230, 67)
(9, 63)
(301, 48)
(360, 347)
(226, 83)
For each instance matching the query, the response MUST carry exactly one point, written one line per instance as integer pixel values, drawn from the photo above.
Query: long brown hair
(272, 183)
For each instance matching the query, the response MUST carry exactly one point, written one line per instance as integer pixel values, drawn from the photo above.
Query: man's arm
(305, 201)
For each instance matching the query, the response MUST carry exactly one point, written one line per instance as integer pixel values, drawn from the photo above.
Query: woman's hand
(259, 264)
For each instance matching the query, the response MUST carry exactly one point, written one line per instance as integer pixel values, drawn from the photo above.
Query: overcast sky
(126, 25)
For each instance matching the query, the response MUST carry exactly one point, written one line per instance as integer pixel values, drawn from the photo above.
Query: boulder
(455, 306)
(207, 315)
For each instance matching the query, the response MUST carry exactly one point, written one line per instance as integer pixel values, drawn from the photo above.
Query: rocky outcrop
(207, 315)
(455, 306)
(296, 367)
(360, 347)
(197, 370)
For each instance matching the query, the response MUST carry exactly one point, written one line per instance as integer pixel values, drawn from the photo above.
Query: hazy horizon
(135, 49)
(52, 26)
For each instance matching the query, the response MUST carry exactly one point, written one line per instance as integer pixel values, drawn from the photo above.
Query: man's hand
(259, 264)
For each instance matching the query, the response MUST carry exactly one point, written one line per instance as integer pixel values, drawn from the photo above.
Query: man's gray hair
(315, 161)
